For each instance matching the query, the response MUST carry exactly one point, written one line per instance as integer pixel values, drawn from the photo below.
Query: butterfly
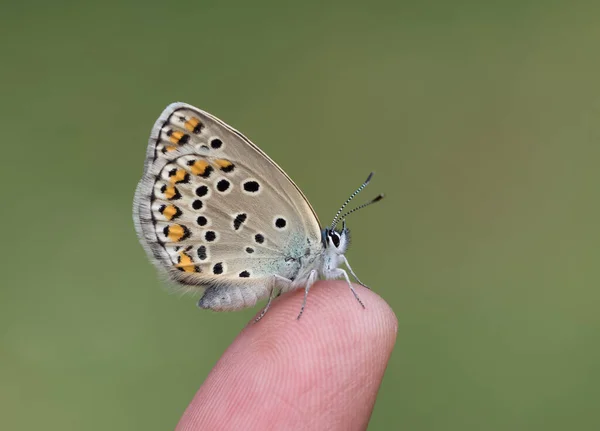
(214, 212)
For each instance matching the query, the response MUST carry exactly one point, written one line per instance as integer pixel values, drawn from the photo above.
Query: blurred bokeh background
(481, 120)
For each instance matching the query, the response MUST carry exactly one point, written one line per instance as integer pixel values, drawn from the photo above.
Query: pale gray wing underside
(213, 209)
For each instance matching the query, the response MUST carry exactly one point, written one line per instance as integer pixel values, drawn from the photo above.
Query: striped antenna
(372, 201)
(357, 191)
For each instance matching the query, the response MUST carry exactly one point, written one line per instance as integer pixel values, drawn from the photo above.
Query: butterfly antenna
(372, 201)
(357, 191)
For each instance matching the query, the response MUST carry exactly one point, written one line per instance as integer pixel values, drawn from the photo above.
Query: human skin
(320, 372)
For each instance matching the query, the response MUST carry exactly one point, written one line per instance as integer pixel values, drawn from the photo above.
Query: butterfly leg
(264, 311)
(337, 273)
(312, 277)
(276, 280)
(353, 274)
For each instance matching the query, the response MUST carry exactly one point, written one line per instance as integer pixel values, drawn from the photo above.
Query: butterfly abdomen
(229, 297)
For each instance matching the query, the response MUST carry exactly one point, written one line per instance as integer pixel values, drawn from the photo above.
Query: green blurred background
(480, 119)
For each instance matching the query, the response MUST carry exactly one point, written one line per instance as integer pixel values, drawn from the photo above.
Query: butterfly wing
(213, 210)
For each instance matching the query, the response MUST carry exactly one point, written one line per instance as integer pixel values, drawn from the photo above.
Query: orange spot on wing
(179, 176)
(223, 163)
(186, 263)
(199, 167)
(170, 192)
(177, 232)
(176, 137)
(170, 211)
(193, 125)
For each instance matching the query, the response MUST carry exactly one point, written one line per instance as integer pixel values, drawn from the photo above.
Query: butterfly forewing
(212, 207)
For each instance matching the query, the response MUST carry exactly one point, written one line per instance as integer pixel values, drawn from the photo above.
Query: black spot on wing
(218, 268)
(239, 220)
(251, 186)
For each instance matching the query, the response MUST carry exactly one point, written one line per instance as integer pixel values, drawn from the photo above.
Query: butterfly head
(339, 240)
(336, 240)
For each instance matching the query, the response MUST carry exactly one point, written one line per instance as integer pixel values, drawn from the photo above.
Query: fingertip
(331, 308)
(321, 371)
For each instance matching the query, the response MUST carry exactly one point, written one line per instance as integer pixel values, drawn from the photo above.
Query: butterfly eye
(335, 238)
